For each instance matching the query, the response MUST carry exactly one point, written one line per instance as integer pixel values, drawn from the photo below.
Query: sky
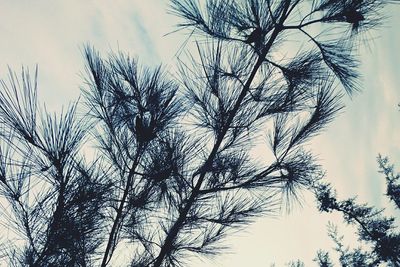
(52, 34)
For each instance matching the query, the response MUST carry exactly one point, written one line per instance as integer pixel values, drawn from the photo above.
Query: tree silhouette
(172, 172)
(374, 229)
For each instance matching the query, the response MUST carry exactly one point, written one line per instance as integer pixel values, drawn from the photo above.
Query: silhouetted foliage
(323, 259)
(377, 233)
(172, 173)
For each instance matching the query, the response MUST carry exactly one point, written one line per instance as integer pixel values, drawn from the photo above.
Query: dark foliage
(323, 259)
(57, 200)
(173, 171)
(377, 232)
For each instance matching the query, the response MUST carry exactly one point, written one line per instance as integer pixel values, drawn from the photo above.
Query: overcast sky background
(52, 34)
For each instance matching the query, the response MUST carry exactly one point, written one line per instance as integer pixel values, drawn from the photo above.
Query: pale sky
(52, 34)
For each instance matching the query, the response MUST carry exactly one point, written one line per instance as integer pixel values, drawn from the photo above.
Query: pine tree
(172, 173)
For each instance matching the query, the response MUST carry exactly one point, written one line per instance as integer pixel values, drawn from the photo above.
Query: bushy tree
(378, 236)
(172, 171)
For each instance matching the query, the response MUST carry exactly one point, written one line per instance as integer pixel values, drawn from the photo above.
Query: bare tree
(173, 172)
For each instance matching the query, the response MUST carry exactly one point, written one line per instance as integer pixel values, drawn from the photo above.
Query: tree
(172, 171)
(379, 240)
